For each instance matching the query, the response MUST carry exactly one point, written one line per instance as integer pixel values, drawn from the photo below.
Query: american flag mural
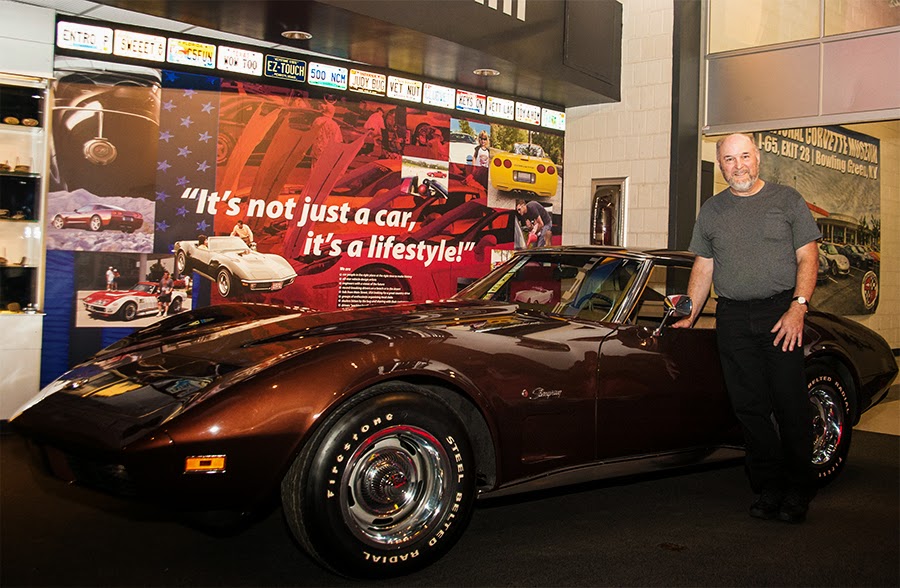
(188, 127)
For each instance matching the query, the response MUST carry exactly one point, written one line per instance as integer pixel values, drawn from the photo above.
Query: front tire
(129, 311)
(225, 282)
(385, 487)
(59, 222)
(831, 421)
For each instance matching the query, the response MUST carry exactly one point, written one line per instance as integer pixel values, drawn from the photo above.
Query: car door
(661, 391)
(542, 379)
(201, 255)
(147, 301)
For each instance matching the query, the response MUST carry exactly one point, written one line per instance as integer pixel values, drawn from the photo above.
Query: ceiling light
(486, 72)
(296, 35)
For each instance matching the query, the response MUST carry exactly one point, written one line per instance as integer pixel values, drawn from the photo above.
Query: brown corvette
(379, 427)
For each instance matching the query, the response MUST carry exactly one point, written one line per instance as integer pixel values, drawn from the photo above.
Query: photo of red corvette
(99, 217)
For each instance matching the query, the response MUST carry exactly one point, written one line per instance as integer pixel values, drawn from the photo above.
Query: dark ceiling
(557, 55)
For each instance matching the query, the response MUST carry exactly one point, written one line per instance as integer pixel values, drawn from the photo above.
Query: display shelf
(23, 186)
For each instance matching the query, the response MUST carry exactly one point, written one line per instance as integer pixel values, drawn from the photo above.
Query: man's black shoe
(793, 509)
(766, 506)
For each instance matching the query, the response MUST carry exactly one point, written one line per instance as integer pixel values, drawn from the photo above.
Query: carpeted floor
(689, 529)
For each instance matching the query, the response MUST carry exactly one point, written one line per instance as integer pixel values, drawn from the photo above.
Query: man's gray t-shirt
(753, 240)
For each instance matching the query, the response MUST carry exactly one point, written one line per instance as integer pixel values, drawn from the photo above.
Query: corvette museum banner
(836, 170)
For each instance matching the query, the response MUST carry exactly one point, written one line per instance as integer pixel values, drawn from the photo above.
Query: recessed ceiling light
(486, 72)
(296, 35)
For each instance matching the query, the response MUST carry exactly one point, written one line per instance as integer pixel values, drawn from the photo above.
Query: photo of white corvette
(233, 265)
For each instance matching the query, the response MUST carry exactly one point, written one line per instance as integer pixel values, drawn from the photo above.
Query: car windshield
(462, 138)
(589, 287)
(528, 149)
(226, 244)
(142, 287)
(830, 249)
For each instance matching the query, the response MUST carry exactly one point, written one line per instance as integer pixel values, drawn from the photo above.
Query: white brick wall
(630, 138)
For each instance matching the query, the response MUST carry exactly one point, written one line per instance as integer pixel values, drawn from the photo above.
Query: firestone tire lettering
(386, 485)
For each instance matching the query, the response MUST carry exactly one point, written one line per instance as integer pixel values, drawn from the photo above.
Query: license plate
(524, 177)
(129, 219)
(276, 285)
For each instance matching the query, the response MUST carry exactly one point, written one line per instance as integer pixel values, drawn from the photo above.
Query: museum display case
(23, 148)
(23, 186)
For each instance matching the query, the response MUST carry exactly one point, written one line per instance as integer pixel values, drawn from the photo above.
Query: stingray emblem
(539, 393)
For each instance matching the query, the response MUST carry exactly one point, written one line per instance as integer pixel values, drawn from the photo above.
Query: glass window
(741, 24)
(666, 281)
(606, 212)
(586, 287)
(850, 16)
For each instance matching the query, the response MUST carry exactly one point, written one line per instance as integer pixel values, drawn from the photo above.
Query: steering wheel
(599, 303)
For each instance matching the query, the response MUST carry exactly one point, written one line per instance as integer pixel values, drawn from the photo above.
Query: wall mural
(172, 191)
(837, 172)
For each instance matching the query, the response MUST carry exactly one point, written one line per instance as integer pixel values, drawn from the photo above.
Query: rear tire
(175, 306)
(831, 421)
(181, 263)
(385, 487)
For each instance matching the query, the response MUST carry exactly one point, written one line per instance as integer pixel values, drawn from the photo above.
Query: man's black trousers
(767, 387)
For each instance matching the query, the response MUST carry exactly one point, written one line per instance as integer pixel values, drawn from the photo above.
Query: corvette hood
(111, 296)
(138, 383)
(259, 266)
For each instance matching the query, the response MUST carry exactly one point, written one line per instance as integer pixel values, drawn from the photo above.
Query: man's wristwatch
(801, 300)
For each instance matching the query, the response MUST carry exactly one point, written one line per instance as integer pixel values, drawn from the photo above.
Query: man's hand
(684, 323)
(789, 328)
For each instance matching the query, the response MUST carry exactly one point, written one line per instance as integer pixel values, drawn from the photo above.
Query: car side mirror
(678, 305)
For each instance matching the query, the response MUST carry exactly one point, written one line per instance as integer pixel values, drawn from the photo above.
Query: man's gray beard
(742, 186)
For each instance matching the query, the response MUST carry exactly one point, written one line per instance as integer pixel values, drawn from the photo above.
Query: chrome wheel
(181, 263)
(386, 486)
(96, 224)
(828, 424)
(395, 486)
(223, 282)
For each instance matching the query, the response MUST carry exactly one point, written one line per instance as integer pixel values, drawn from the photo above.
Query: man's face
(521, 208)
(739, 162)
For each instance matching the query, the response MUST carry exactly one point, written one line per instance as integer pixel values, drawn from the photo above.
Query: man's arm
(789, 328)
(698, 289)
